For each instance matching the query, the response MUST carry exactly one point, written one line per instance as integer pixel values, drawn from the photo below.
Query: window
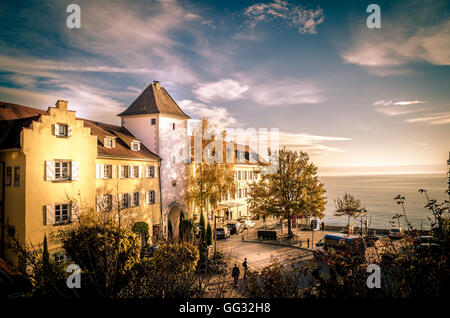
(245, 175)
(239, 175)
(62, 130)
(16, 176)
(150, 171)
(151, 197)
(62, 170)
(107, 202)
(250, 175)
(135, 146)
(125, 171)
(61, 257)
(61, 213)
(8, 181)
(240, 193)
(153, 121)
(110, 143)
(124, 200)
(135, 172)
(173, 126)
(135, 199)
(107, 171)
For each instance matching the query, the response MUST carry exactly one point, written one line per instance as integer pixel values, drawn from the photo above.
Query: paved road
(258, 255)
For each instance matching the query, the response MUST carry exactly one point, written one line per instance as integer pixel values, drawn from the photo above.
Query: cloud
(433, 119)
(286, 92)
(217, 115)
(312, 144)
(88, 102)
(391, 108)
(400, 42)
(226, 89)
(305, 20)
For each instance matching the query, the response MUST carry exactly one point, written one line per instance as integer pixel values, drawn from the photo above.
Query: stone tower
(161, 125)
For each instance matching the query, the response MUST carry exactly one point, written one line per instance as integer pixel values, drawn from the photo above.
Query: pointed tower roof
(153, 100)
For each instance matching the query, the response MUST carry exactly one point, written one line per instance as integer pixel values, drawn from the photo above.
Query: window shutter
(49, 170)
(75, 170)
(113, 171)
(147, 171)
(156, 198)
(120, 172)
(49, 214)
(131, 199)
(132, 172)
(56, 130)
(74, 211)
(120, 200)
(97, 171)
(98, 201)
(69, 131)
(147, 197)
(102, 171)
(139, 199)
(114, 202)
(129, 171)
(140, 172)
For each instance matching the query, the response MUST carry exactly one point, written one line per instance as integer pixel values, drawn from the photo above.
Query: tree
(209, 180)
(208, 236)
(348, 206)
(105, 249)
(294, 189)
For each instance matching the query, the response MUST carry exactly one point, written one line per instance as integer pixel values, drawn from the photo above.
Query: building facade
(55, 165)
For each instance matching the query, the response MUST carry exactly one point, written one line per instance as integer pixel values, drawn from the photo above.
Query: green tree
(348, 206)
(104, 249)
(294, 189)
(208, 238)
(45, 255)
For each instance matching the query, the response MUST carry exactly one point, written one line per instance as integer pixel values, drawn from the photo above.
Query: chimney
(61, 104)
(156, 83)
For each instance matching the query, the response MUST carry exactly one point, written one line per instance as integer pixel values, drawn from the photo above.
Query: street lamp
(363, 213)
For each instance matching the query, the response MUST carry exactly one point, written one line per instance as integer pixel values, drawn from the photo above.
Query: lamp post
(364, 213)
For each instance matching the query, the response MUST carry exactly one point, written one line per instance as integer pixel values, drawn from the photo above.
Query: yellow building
(55, 165)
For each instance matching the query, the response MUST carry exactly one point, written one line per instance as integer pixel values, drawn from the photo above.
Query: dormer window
(153, 121)
(109, 143)
(135, 146)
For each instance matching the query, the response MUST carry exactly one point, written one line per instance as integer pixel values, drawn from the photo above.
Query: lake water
(376, 193)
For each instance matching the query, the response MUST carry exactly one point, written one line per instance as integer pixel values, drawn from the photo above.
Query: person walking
(235, 274)
(245, 266)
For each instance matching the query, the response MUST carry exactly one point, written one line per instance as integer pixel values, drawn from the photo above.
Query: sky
(349, 95)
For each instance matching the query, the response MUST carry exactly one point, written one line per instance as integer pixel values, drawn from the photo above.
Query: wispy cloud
(391, 108)
(216, 114)
(286, 92)
(305, 20)
(313, 144)
(226, 89)
(433, 119)
(401, 41)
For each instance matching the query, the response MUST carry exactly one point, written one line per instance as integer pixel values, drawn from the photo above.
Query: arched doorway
(174, 219)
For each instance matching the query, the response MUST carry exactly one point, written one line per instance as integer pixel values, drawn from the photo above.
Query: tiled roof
(9, 111)
(154, 100)
(14, 117)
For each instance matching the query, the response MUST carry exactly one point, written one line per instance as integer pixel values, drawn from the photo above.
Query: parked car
(149, 251)
(426, 239)
(235, 227)
(246, 223)
(425, 249)
(340, 244)
(222, 232)
(348, 229)
(395, 233)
